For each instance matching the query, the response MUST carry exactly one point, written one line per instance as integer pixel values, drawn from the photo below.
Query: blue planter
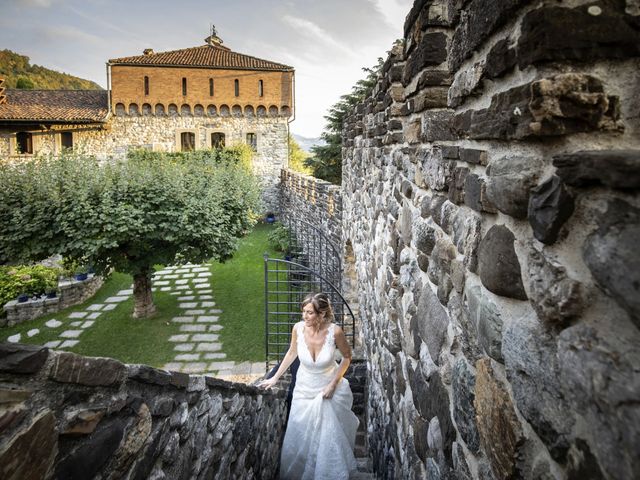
(23, 298)
(81, 276)
(270, 218)
(52, 294)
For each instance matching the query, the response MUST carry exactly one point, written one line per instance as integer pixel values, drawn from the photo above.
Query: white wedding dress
(318, 443)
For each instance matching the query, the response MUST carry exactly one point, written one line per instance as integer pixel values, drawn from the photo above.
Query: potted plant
(81, 274)
(270, 217)
(23, 297)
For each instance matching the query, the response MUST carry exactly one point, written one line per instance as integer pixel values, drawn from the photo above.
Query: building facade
(182, 100)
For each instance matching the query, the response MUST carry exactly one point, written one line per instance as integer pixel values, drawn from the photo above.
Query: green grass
(238, 290)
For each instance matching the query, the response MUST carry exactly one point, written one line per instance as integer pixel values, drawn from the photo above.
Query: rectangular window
(184, 86)
(252, 141)
(260, 88)
(187, 141)
(211, 87)
(217, 140)
(66, 140)
(146, 85)
(24, 142)
(236, 85)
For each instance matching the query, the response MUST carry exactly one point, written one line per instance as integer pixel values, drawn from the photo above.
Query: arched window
(252, 141)
(184, 86)
(146, 109)
(120, 111)
(285, 111)
(24, 142)
(212, 111)
(273, 111)
(159, 109)
(224, 111)
(187, 141)
(249, 111)
(173, 110)
(236, 111)
(146, 85)
(236, 86)
(261, 111)
(198, 110)
(217, 140)
(133, 109)
(211, 87)
(185, 110)
(260, 88)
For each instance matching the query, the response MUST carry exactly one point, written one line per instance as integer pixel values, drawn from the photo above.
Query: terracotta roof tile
(55, 105)
(209, 56)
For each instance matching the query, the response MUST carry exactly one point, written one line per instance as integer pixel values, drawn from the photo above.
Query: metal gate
(312, 265)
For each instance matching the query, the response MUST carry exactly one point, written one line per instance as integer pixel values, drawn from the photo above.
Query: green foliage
(326, 162)
(25, 83)
(30, 280)
(126, 215)
(72, 266)
(15, 67)
(279, 238)
(297, 157)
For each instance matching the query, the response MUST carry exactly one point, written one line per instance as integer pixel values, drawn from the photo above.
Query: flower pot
(23, 297)
(52, 294)
(81, 276)
(270, 218)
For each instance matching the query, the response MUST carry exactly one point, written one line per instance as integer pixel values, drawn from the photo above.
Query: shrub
(30, 280)
(280, 239)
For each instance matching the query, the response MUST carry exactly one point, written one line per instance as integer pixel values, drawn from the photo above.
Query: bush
(280, 239)
(30, 280)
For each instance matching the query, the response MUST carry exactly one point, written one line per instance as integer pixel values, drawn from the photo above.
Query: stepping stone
(182, 287)
(215, 356)
(109, 307)
(53, 323)
(221, 365)
(208, 347)
(215, 310)
(188, 297)
(206, 291)
(179, 338)
(188, 275)
(204, 274)
(94, 315)
(243, 368)
(201, 286)
(193, 328)
(165, 289)
(75, 324)
(53, 344)
(206, 297)
(194, 367)
(128, 291)
(215, 328)
(78, 314)
(200, 269)
(184, 347)
(181, 282)
(117, 299)
(188, 305)
(95, 307)
(172, 366)
(188, 357)
(200, 280)
(32, 332)
(172, 276)
(208, 304)
(182, 270)
(160, 283)
(182, 319)
(204, 337)
(88, 324)
(14, 338)
(71, 333)
(194, 312)
(176, 293)
(69, 343)
(207, 319)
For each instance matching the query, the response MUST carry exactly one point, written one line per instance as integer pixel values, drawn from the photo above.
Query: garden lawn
(238, 290)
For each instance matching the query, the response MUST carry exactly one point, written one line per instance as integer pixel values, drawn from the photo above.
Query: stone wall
(490, 193)
(162, 133)
(70, 292)
(72, 417)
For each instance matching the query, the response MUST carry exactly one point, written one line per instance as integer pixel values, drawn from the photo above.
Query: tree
(126, 215)
(297, 157)
(24, 83)
(326, 162)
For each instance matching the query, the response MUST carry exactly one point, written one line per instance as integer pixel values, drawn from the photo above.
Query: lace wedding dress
(320, 436)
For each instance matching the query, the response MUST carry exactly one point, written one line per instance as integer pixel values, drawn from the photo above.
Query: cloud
(317, 34)
(34, 3)
(69, 33)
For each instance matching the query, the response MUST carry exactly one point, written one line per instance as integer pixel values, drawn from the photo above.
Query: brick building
(189, 99)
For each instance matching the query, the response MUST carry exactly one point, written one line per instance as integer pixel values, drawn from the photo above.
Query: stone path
(197, 347)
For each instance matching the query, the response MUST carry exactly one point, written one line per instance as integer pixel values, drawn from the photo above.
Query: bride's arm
(288, 359)
(345, 350)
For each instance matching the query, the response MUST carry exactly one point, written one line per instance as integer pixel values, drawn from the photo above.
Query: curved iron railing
(286, 284)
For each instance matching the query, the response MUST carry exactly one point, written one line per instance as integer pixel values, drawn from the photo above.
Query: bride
(320, 436)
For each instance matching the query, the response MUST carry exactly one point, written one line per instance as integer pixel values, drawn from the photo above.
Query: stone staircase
(365, 467)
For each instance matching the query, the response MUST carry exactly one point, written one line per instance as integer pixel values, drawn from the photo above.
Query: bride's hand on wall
(268, 383)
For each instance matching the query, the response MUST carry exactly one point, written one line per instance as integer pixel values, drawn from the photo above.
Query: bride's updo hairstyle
(321, 304)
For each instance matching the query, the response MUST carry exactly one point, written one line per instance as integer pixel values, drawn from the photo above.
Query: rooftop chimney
(148, 51)
(214, 40)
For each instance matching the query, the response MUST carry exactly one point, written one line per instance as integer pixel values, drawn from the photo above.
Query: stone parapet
(73, 417)
(70, 292)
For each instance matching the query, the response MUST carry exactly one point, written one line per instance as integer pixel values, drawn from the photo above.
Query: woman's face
(310, 316)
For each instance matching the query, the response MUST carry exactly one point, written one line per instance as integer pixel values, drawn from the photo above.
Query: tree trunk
(142, 297)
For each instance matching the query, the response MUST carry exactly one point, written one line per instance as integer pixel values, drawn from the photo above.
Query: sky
(328, 42)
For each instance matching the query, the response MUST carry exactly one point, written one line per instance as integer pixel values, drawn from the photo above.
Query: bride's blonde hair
(321, 304)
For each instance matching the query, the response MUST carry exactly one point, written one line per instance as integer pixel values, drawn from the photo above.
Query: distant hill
(16, 68)
(306, 142)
